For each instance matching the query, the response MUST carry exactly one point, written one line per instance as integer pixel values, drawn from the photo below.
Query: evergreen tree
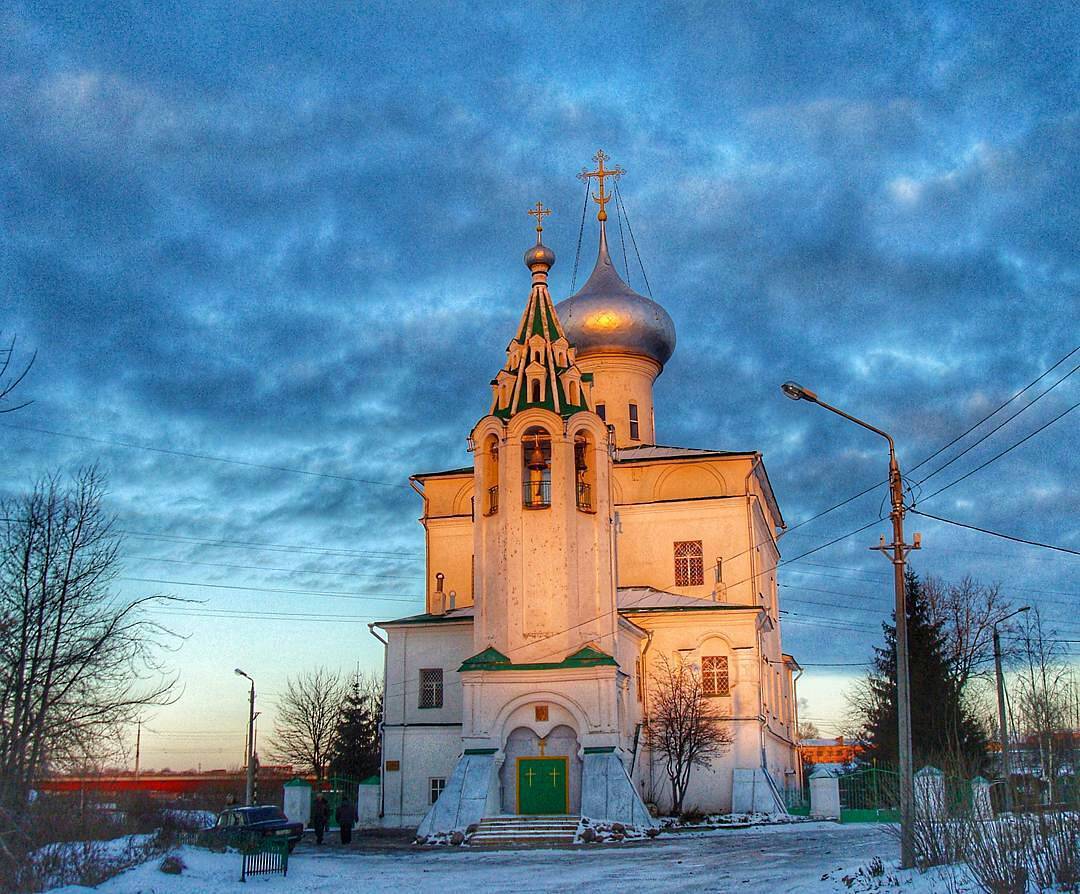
(356, 750)
(944, 731)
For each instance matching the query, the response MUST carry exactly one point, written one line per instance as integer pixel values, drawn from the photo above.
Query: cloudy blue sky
(290, 235)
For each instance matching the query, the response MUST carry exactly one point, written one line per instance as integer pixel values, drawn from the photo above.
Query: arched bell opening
(490, 475)
(536, 474)
(584, 472)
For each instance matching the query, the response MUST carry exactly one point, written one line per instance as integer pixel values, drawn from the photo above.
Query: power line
(1001, 454)
(374, 597)
(336, 551)
(1001, 407)
(940, 450)
(318, 571)
(950, 521)
(203, 456)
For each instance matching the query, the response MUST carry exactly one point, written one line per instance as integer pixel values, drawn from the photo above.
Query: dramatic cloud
(290, 236)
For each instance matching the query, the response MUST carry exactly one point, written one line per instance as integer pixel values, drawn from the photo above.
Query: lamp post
(249, 789)
(1003, 730)
(899, 551)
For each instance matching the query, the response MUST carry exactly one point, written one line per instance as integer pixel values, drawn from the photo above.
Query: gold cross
(600, 173)
(529, 776)
(538, 212)
(554, 776)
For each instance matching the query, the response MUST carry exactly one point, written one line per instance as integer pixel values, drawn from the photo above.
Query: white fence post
(930, 792)
(824, 795)
(980, 799)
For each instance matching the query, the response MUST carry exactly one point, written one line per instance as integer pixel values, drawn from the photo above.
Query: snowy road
(787, 859)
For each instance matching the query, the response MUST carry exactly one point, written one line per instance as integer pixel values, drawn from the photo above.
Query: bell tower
(542, 469)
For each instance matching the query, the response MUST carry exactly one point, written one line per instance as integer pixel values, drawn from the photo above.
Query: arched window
(584, 474)
(536, 471)
(491, 474)
(573, 389)
(535, 391)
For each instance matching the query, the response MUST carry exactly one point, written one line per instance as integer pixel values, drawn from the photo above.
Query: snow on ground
(808, 858)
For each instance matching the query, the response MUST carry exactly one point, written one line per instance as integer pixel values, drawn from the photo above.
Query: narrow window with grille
(431, 687)
(437, 786)
(634, 430)
(714, 675)
(689, 566)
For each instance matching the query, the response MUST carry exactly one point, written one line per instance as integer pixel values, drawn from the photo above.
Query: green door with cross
(542, 785)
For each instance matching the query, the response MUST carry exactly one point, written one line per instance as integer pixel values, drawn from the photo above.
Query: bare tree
(77, 661)
(967, 612)
(1042, 696)
(685, 728)
(10, 378)
(307, 720)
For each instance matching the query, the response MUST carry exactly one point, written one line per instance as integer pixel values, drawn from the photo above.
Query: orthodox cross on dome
(600, 173)
(538, 212)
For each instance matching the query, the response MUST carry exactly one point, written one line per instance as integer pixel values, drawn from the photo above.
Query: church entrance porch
(541, 775)
(542, 786)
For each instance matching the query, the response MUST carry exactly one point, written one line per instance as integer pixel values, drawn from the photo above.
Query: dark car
(238, 825)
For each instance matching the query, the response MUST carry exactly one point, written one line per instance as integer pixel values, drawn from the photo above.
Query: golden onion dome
(606, 316)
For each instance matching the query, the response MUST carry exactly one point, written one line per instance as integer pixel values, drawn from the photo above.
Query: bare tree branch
(8, 383)
(77, 661)
(307, 720)
(686, 728)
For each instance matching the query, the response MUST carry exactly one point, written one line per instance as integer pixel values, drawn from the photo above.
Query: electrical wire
(950, 521)
(999, 426)
(202, 456)
(998, 456)
(581, 232)
(633, 241)
(374, 597)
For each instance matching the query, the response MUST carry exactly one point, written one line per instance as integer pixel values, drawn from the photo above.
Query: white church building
(561, 566)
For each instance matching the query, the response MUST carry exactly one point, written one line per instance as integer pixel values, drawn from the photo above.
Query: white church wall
(649, 533)
(422, 754)
(415, 647)
(420, 744)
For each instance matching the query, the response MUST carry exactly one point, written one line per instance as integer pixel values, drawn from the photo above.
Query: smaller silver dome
(539, 256)
(606, 316)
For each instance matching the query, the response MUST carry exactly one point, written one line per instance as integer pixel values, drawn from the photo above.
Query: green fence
(339, 787)
(870, 796)
(797, 801)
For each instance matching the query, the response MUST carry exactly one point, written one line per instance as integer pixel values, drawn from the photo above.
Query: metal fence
(265, 856)
(871, 795)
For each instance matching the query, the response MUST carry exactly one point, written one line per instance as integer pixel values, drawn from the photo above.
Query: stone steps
(525, 831)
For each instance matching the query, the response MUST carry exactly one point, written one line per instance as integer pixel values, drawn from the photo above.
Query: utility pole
(138, 743)
(249, 790)
(899, 550)
(1003, 729)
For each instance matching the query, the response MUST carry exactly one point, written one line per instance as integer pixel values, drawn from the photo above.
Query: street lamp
(1003, 731)
(898, 558)
(249, 789)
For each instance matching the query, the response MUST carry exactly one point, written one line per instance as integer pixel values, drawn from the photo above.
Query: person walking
(320, 816)
(346, 817)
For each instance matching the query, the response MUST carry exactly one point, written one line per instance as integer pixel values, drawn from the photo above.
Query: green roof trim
(589, 656)
(371, 780)
(601, 749)
(480, 750)
(493, 660)
(489, 659)
(297, 782)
